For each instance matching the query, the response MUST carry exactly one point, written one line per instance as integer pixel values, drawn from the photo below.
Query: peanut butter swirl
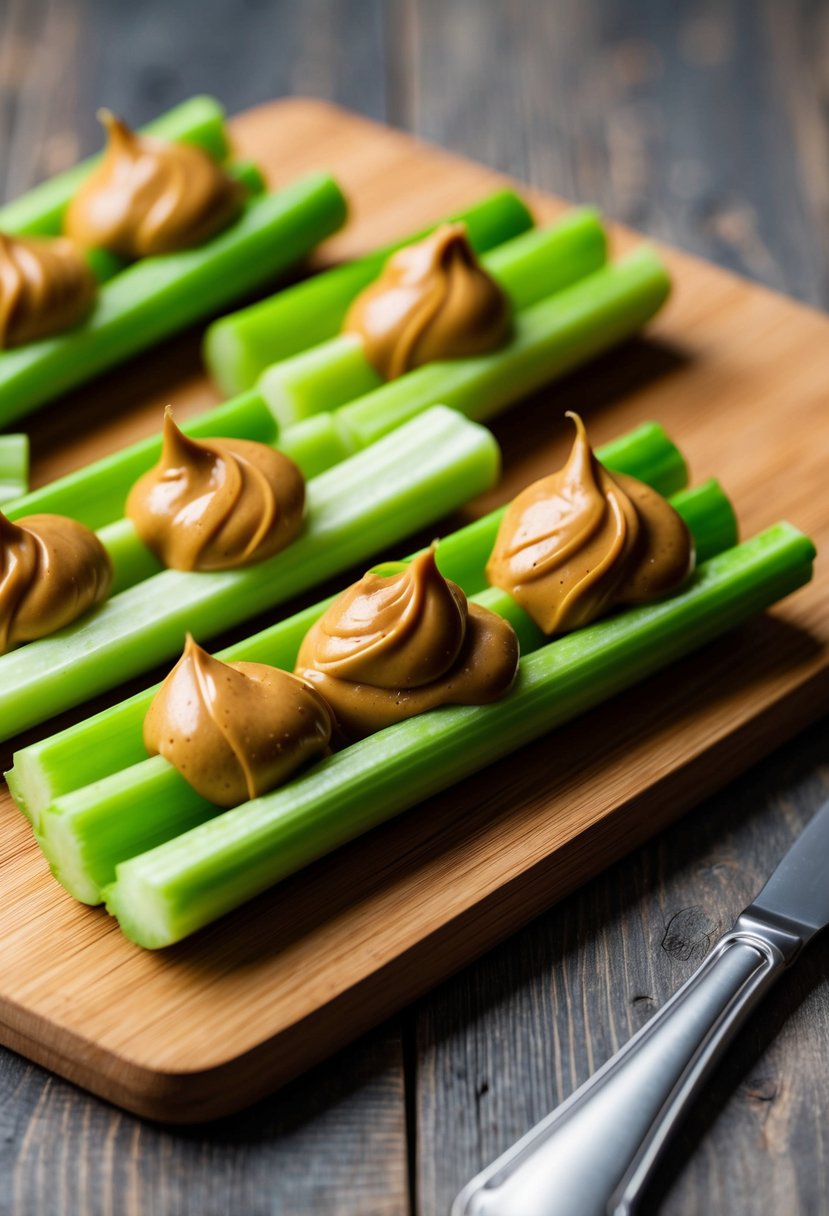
(235, 730)
(45, 287)
(581, 541)
(432, 301)
(52, 570)
(394, 646)
(213, 504)
(150, 196)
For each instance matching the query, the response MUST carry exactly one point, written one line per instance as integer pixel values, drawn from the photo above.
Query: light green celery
(112, 739)
(96, 493)
(404, 482)
(169, 892)
(249, 175)
(529, 268)
(551, 338)
(87, 832)
(197, 121)
(132, 561)
(158, 296)
(239, 347)
(14, 466)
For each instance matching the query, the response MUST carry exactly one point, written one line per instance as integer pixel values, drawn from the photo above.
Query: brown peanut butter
(581, 541)
(235, 730)
(432, 301)
(45, 287)
(150, 196)
(52, 570)
(214, 504)
(394, 646)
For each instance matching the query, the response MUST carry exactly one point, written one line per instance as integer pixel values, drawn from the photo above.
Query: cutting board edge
(205, 1095)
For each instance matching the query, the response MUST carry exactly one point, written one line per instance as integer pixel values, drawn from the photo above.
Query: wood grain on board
(739, 377)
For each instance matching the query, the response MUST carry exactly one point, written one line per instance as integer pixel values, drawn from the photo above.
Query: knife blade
(593, 1155)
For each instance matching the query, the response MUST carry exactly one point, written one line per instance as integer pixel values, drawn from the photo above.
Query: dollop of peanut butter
(396, 645)
(52, 570)
(235, 730)
(45, 287)
(432, 301)
(581, 541)
(150, 196)
(213, 504)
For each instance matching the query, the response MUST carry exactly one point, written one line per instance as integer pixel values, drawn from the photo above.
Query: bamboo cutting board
(740, 378)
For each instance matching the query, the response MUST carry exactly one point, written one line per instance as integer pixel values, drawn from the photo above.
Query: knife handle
(592, 1155)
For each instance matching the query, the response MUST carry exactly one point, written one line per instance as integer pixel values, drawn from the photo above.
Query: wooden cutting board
(740, 378)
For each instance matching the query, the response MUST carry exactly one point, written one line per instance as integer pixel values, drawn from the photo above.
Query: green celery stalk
(201, 120)
(167, 893)
(553, 337)
(248, 174)
(239, 347)
(87, 832)
(555, 334)
(77, 756)
(14, 466)
(156, 297)
(529, 268)
(402, 483)
(96, 494)
(545, 341)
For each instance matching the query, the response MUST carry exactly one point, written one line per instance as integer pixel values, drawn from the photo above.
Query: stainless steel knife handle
(593, 1154)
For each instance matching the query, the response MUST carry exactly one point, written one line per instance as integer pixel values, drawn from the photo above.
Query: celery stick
(163, 895)
(248, 173)
(158, 296)
(86, 833)
(14, 466)
(112, 739)
(239, 347)
(551, 338)
(404, 482)
(197, 121)
(96, 493)
(529, 268)
(548, 338)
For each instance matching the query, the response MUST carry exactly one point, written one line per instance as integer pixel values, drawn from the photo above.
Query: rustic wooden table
(705, 124)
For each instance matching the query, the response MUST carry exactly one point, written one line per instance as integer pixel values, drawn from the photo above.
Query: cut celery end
(200, 120)
(156, 297)
(96, 494)
(78, 756)
(239, 347)
(406, 481)
(318, 380)
(86, 833)
(169, 892)
(14, 467)
(528, 268)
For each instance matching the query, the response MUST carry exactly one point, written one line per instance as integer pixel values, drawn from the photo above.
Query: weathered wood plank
(514, 1035)
(333, 1142)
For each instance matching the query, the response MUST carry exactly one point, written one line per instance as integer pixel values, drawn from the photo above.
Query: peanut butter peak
(581, 541)
(235, 730)
(213, 504)
(150, 196)
(432, 301)
(52, 570)
(45, 287)
(392, 647)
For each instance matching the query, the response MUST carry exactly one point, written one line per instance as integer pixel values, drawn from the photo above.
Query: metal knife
(593, 1155)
